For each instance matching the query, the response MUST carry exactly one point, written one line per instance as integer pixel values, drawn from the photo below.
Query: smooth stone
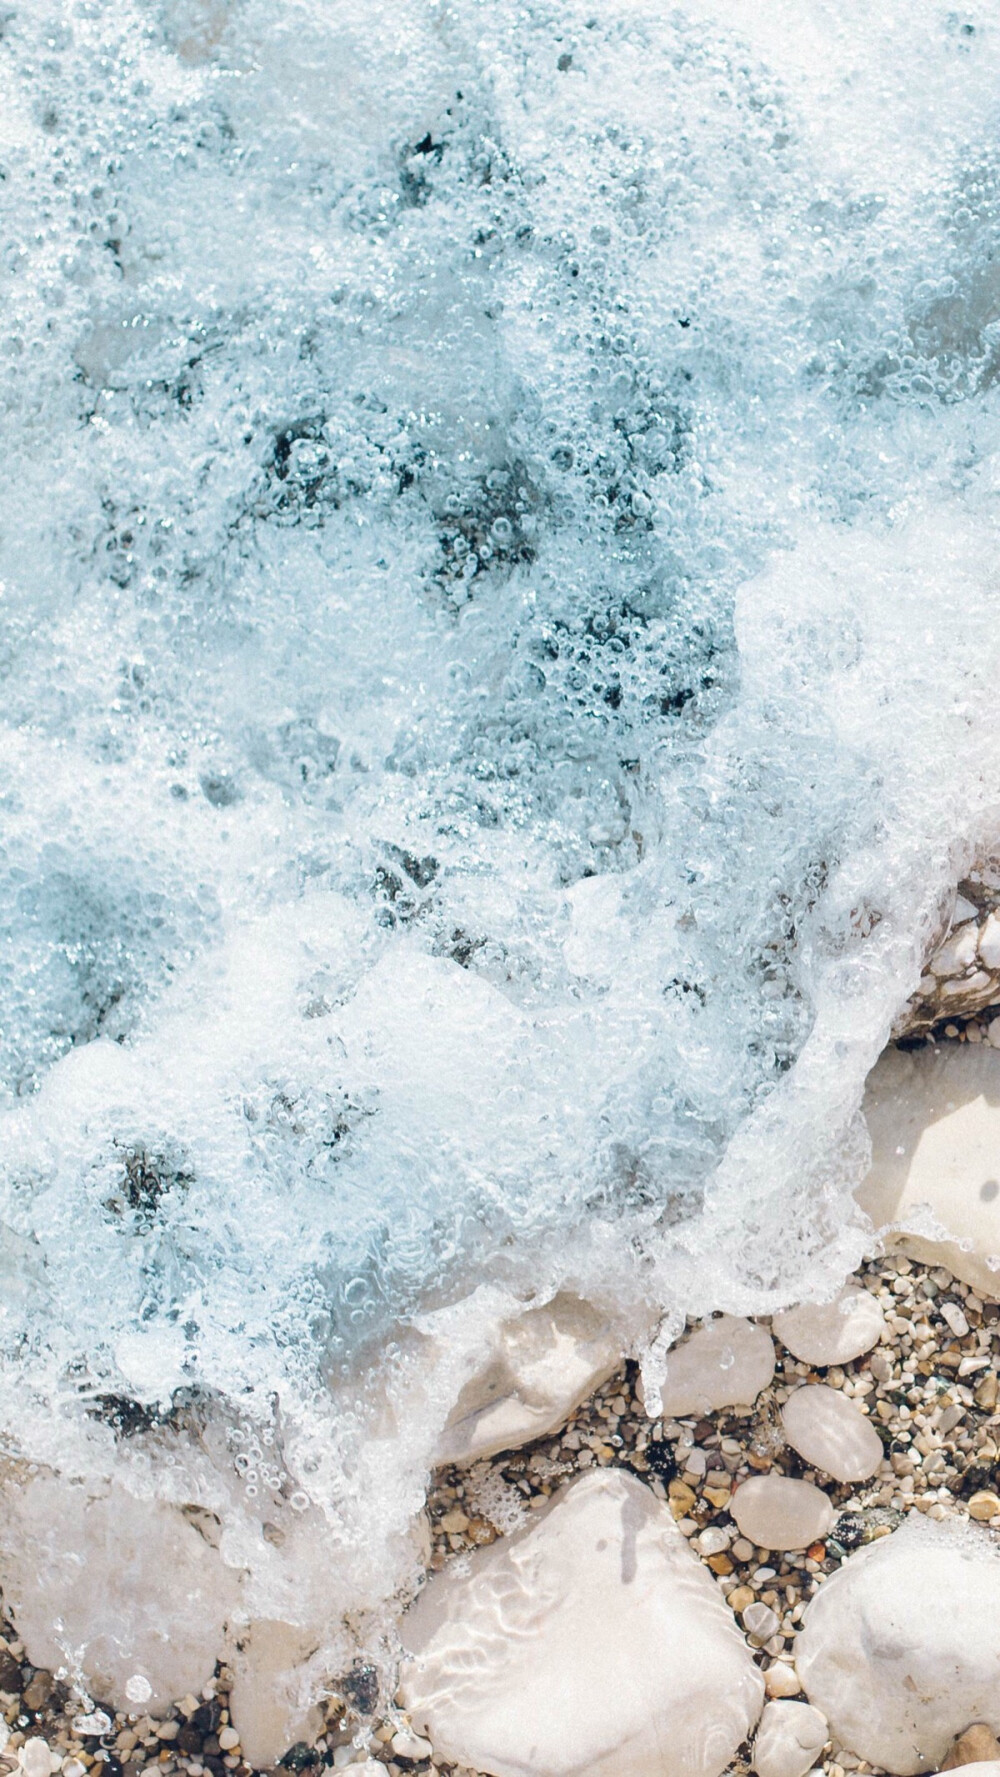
(983, 1767)
(933, 1188)
(831, 1433)
(789, 1738)
(541, 1365)
(592, 1643)
(978, 1745)
(776, 1513)
(127, 1583)
(900, 1648)
(782, 1680)
(832, 1332)
(265, 1700)
(726, 1363)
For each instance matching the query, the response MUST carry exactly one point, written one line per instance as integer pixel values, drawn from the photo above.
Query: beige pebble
(832, 1332)
(228, 1739)
(782, 1680)
(831, 1433)
(776, 1513)
(984, 1506)
(976, 1746)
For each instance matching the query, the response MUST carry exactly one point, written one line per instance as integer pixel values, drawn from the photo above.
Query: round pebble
(776, 1513)
(831, 1433)
(832, 1332)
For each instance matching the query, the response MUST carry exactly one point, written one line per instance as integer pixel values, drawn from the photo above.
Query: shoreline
(929, 1388)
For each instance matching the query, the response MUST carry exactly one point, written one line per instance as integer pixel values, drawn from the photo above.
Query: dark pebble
(10, 1671)
(210, 1744)
(207, 1718)
(189, 1739)
(37, 1691)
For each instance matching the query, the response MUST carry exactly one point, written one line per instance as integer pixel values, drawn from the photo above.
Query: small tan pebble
(988, 1389)
(781, 1680)
(739, 1598)
(720, 1564)
(454, 1522)
(984, 1506)
(743, 1550)
(169, 1730)
(228, 1738)
(974, 1747)
(719, 1497)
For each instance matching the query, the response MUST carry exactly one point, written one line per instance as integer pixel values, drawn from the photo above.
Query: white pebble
(97, 1723)
(782, 1680)
(760, 1622)
(833, 1332)
(952, 1313)
(725, 1363)
(789, 1738)
(35, 1759)
(831, 1433)
(407, 1744)
(713, 1540)
(776, 1513)
(228, 1739)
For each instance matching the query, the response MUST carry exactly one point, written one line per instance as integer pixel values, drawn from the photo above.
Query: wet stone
(831, 1433)
(833, 1332)
(776, 1513)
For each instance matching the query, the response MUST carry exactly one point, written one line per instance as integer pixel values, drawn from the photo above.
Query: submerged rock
(776, 1513)
(831, 1433)
(590, 1644)
(933, 1188)
(725, 1363)
(127, 1584)
(788, 1740)
(832, 1332)
(542, 1364)
(900, 1648)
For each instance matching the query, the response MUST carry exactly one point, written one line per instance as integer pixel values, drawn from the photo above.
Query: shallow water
(499, 645)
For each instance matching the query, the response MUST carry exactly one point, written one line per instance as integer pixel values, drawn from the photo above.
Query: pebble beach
(927, 1388)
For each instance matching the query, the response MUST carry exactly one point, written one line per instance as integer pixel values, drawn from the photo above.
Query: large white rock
(120, 1588)
(934, 1184)
(776, 1513)
(900, 1648)
(541, 1365)
(591, 1644)
(832, 1332)
(725, 1363)
(789, 1738)
(831, 1433)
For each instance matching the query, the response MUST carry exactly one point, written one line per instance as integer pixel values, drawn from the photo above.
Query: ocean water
(499, 629)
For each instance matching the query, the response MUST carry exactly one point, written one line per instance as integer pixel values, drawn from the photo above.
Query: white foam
(498, 626)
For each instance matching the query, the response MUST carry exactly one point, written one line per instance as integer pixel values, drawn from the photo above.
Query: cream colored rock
(934, 1184)
(831, 1433)
(900, 1648)
(127, 1583)
(725, 1363)
(543, 1363)
(832, 1332)
(789, 1738)
(782, 1680)
(593, 1643)
(266, 1703)
(776, 1513)
(980, 1767)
